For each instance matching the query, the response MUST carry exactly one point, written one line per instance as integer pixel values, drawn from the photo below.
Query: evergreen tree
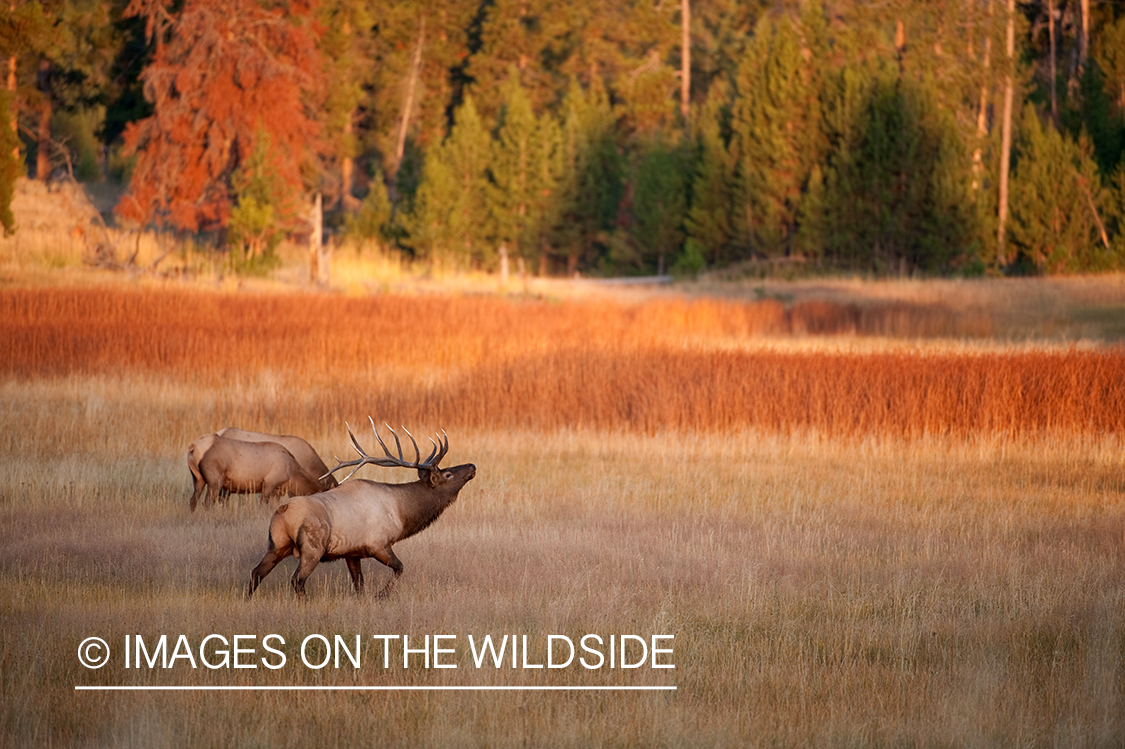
(1115, 216)
(1109, 51)
(777, 130)
(346, 46)
(1056, 195)
(259, 197)
(659, 204)
(896, 194)
(527, 36)
(514, 173)
(592, 166)
(451, 223)
(546, 206)
(709, 221)
(59, 54)
(418, 52)
(372, 222)
(1093, 114)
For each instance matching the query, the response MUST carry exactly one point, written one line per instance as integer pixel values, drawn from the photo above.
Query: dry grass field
(864, 524)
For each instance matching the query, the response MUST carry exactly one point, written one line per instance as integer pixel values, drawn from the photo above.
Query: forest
(599, 138)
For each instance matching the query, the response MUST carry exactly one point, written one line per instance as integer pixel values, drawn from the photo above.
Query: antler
(390, 461)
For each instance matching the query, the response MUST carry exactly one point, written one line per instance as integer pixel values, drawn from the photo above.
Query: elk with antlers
(362, 519)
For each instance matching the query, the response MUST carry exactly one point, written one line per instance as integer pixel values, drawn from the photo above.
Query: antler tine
(381, 443)
(430, 459)
(355, 442)
(443, 438)
(417, 452)
(398, 445)
(390, 461)
(359, 462)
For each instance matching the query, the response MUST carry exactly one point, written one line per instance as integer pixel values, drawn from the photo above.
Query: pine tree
(524, 35)
(259, 197)
(346, 45)
(659, 204)
(709, 221)
(776, 128)
(1056, 196)
(419, 53)
(451, 222)
(513, 172)
(372, 221)
(1109, 51)
(592, 170)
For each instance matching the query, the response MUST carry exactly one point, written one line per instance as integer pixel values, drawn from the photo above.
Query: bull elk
(362, 519)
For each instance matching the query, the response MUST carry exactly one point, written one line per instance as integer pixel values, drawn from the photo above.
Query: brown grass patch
(485, 362)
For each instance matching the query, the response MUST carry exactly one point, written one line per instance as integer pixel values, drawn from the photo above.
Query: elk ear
(428, 477)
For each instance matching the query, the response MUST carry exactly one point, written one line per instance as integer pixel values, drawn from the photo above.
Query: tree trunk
(1054, 70)
(415, 66)
(347, 170)
(1084, 35)
(12, 60)
(685, 64)
(1006, 135)
(982, 107)
(318, 258)
(43, 152)
(347, 160)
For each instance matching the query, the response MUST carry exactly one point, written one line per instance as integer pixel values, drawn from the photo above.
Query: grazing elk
(228, 466)
(301, 450)
(362, 519)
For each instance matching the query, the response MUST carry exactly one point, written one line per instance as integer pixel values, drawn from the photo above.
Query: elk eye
(449, 474)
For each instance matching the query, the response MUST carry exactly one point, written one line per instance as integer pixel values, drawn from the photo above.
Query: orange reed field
(494, 363)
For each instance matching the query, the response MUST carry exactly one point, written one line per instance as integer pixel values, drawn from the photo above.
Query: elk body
(231, 466)
(361, 519)
(300, 449)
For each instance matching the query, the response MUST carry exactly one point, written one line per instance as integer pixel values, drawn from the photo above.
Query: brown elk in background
(362, 519)
(301, 450)
(228, 466)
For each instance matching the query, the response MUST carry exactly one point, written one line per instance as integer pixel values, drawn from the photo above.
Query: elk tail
(276, 526)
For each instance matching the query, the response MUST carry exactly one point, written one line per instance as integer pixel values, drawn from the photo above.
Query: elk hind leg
(197, 486)
(310, 552)
(269, 561)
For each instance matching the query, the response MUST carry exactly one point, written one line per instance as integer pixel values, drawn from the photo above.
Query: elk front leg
(387, 557)
(271, 491)
(357, 574)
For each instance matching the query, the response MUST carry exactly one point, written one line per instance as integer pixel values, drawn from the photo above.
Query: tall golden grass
(959, 587)
(494, 363)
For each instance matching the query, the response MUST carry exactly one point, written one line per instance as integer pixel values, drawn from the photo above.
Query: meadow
(864, 524)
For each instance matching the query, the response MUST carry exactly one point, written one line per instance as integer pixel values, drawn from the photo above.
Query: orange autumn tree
(223, 74)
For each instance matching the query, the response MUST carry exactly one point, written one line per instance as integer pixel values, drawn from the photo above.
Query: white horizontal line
(295, 687)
